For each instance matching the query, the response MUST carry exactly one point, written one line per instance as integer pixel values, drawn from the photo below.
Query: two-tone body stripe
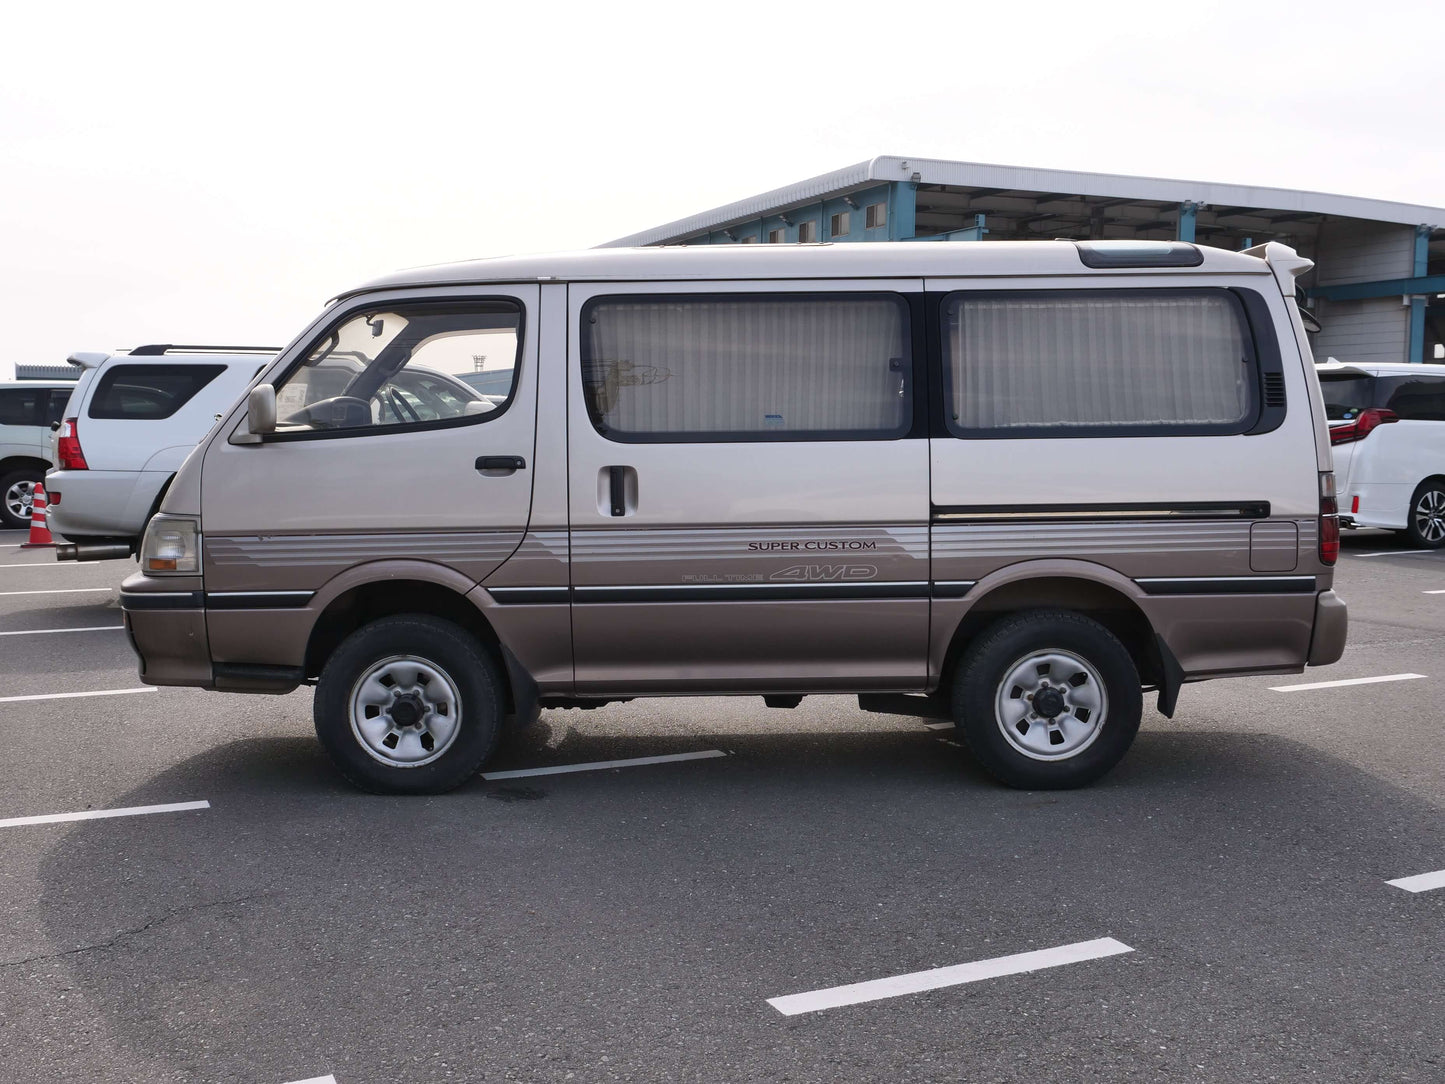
(257, 600)
(730, 592)
(1227, 585)
(531, 596)
(161, 600)
(214, 600)
(941, 589)
(1249, 510)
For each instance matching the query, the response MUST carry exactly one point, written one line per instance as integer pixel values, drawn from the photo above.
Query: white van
(130, 422)
(1012, 484)
(1387, 426)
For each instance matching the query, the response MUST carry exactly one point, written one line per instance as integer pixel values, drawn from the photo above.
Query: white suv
(1387, 429)
(27, 409)
(133, 419)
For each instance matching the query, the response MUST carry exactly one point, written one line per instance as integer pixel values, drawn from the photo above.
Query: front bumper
(1332, 624)
(166, 623)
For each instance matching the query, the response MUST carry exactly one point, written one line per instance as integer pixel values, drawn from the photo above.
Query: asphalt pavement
(646, 923)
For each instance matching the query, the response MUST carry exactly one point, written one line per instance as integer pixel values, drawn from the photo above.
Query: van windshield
(1346, 394)
(405, 366)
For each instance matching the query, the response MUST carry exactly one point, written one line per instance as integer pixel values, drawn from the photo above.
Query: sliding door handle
(501, 462)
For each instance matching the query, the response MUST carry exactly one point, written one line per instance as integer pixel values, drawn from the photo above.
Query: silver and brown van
(1012, 484)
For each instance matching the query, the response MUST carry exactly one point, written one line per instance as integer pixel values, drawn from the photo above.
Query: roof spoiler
(1285, 262)
(88, 359)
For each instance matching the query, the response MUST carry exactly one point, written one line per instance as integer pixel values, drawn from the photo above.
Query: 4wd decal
(824, 573)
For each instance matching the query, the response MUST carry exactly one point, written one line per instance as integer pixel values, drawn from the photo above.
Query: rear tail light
(67, 448)
(1329, 520)
(1362, 426)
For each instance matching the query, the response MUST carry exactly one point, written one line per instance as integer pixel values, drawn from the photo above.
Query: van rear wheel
(1047, 700)
(409, 705)
(1426, 525)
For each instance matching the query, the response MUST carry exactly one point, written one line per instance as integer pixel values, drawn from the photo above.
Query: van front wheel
(409, 705)
(1047, 700)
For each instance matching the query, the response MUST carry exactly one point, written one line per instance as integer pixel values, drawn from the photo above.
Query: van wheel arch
(1107, 605)
(368, 602)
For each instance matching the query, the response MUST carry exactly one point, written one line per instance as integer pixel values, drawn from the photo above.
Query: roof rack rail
(156, 349)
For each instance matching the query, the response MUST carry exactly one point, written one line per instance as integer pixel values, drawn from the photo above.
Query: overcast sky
(174, 174)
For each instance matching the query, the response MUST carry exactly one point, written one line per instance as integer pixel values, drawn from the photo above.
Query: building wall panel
(1351, 250)
(1363, 331)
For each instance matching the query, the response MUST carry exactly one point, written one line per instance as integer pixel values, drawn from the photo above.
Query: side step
(922, 707)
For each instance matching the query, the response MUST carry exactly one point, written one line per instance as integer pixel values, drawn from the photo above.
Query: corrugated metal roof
(812, 261)
(47, 372)
(1026, 179)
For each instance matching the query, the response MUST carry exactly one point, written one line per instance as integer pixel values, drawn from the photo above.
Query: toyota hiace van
(1011, 484)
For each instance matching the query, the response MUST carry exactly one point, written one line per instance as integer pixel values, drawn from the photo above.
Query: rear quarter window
(1098, 363)
(1415, 398)
(149, 392)
(21, 406)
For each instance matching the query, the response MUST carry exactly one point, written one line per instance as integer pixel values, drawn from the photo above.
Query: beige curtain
(719, 366)
(1074, 361)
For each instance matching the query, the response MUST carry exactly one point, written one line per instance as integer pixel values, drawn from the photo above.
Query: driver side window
(406, 366)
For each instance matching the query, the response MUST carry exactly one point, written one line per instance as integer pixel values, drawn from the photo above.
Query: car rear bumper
(109, 503)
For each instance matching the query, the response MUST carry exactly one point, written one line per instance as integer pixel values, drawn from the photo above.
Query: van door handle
(501, 462)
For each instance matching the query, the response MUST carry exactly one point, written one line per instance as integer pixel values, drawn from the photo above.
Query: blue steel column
(902, 210)
(1416, 350)
(1187, 211)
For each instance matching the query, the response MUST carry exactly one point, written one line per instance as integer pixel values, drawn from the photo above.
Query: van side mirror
(261, 410)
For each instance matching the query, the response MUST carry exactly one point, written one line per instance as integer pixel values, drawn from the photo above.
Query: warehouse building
(1378, 286)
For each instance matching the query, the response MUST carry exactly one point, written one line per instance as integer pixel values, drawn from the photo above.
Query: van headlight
(171, 544)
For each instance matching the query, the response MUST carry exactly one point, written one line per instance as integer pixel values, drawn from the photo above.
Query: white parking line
(54, 564)
(918, 981)
(1339, 684)
(58, 591)
(43, 632)
(940, 726)
(327, 1079)
(600, 765)
(1435, 592)
(1390, 553)
(72, 696)
(1421, 882)
(104, 814)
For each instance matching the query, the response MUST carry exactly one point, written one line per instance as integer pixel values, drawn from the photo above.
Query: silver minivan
(1011, 484)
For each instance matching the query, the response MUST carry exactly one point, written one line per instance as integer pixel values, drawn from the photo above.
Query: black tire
(1015, 642)
(1425, 522)
(33, 475)
(475, 688)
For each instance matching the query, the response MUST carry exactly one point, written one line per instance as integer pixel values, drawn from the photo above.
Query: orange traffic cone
(39, 531)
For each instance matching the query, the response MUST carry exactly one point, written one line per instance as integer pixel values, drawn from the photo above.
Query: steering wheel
(338, 412)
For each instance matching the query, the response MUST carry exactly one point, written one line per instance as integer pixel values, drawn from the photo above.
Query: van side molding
(1156, 510)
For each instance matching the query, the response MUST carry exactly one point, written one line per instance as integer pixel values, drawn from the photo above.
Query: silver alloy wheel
(1430, 516)
(19, 498)
(1051, 705)
(405, 711)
